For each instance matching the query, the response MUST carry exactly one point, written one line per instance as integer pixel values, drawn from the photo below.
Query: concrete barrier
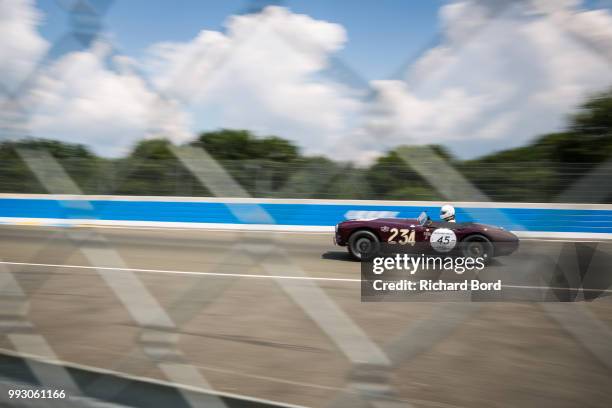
(527, 219)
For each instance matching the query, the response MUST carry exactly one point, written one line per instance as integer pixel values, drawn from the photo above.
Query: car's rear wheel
(477, 246)
(363, 245)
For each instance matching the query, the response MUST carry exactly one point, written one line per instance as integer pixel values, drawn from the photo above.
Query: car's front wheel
(363, 245)
(477, 246)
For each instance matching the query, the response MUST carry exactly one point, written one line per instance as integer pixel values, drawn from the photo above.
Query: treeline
(274, 167)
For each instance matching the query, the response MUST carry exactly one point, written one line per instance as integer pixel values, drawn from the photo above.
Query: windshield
(423, 218)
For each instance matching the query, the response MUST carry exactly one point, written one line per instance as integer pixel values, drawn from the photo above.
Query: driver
(447, 213)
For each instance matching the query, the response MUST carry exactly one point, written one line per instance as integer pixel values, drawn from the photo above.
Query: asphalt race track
(255, 316)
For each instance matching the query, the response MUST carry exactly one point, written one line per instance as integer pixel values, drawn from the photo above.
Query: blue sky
(382, 35)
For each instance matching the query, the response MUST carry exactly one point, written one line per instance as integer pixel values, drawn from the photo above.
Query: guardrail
(555, 220)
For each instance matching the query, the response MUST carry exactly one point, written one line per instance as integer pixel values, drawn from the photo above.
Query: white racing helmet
(447, 213)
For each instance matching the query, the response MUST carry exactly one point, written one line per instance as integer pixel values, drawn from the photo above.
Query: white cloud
(261, 74)
(426, 118)
(20, 45)
(83, 97)
(498, 83)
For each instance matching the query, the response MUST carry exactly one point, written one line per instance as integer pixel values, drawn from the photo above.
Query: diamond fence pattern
(369, 380)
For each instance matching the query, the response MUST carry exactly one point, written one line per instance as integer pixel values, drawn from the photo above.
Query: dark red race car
(367, 238)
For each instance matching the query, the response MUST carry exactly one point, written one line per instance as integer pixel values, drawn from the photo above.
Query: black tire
(363, 245)
(476, 246)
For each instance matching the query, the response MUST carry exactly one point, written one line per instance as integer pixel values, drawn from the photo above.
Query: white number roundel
(443, 240)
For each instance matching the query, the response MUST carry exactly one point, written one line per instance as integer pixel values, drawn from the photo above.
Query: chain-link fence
(155, 325)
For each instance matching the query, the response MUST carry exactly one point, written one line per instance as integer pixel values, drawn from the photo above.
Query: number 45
(444, 239)
(406, 236)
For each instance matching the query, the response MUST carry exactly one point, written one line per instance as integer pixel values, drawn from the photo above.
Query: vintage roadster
(365, 239)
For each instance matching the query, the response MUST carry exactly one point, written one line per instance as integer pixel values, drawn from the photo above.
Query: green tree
(57, 149)
(392, 177)
(262, 165)
(594, 117)
(227, 144)
(153, 169)
(153, 149)
(15, 176)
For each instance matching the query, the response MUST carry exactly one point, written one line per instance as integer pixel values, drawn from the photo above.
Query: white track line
(246, 275)
(165, 271)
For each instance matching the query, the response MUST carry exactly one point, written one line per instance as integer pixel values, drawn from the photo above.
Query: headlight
(336, 228)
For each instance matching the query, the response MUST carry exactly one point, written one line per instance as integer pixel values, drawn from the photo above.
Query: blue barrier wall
(300, 214)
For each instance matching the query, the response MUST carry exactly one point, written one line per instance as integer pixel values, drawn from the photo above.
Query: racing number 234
(406, 236)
